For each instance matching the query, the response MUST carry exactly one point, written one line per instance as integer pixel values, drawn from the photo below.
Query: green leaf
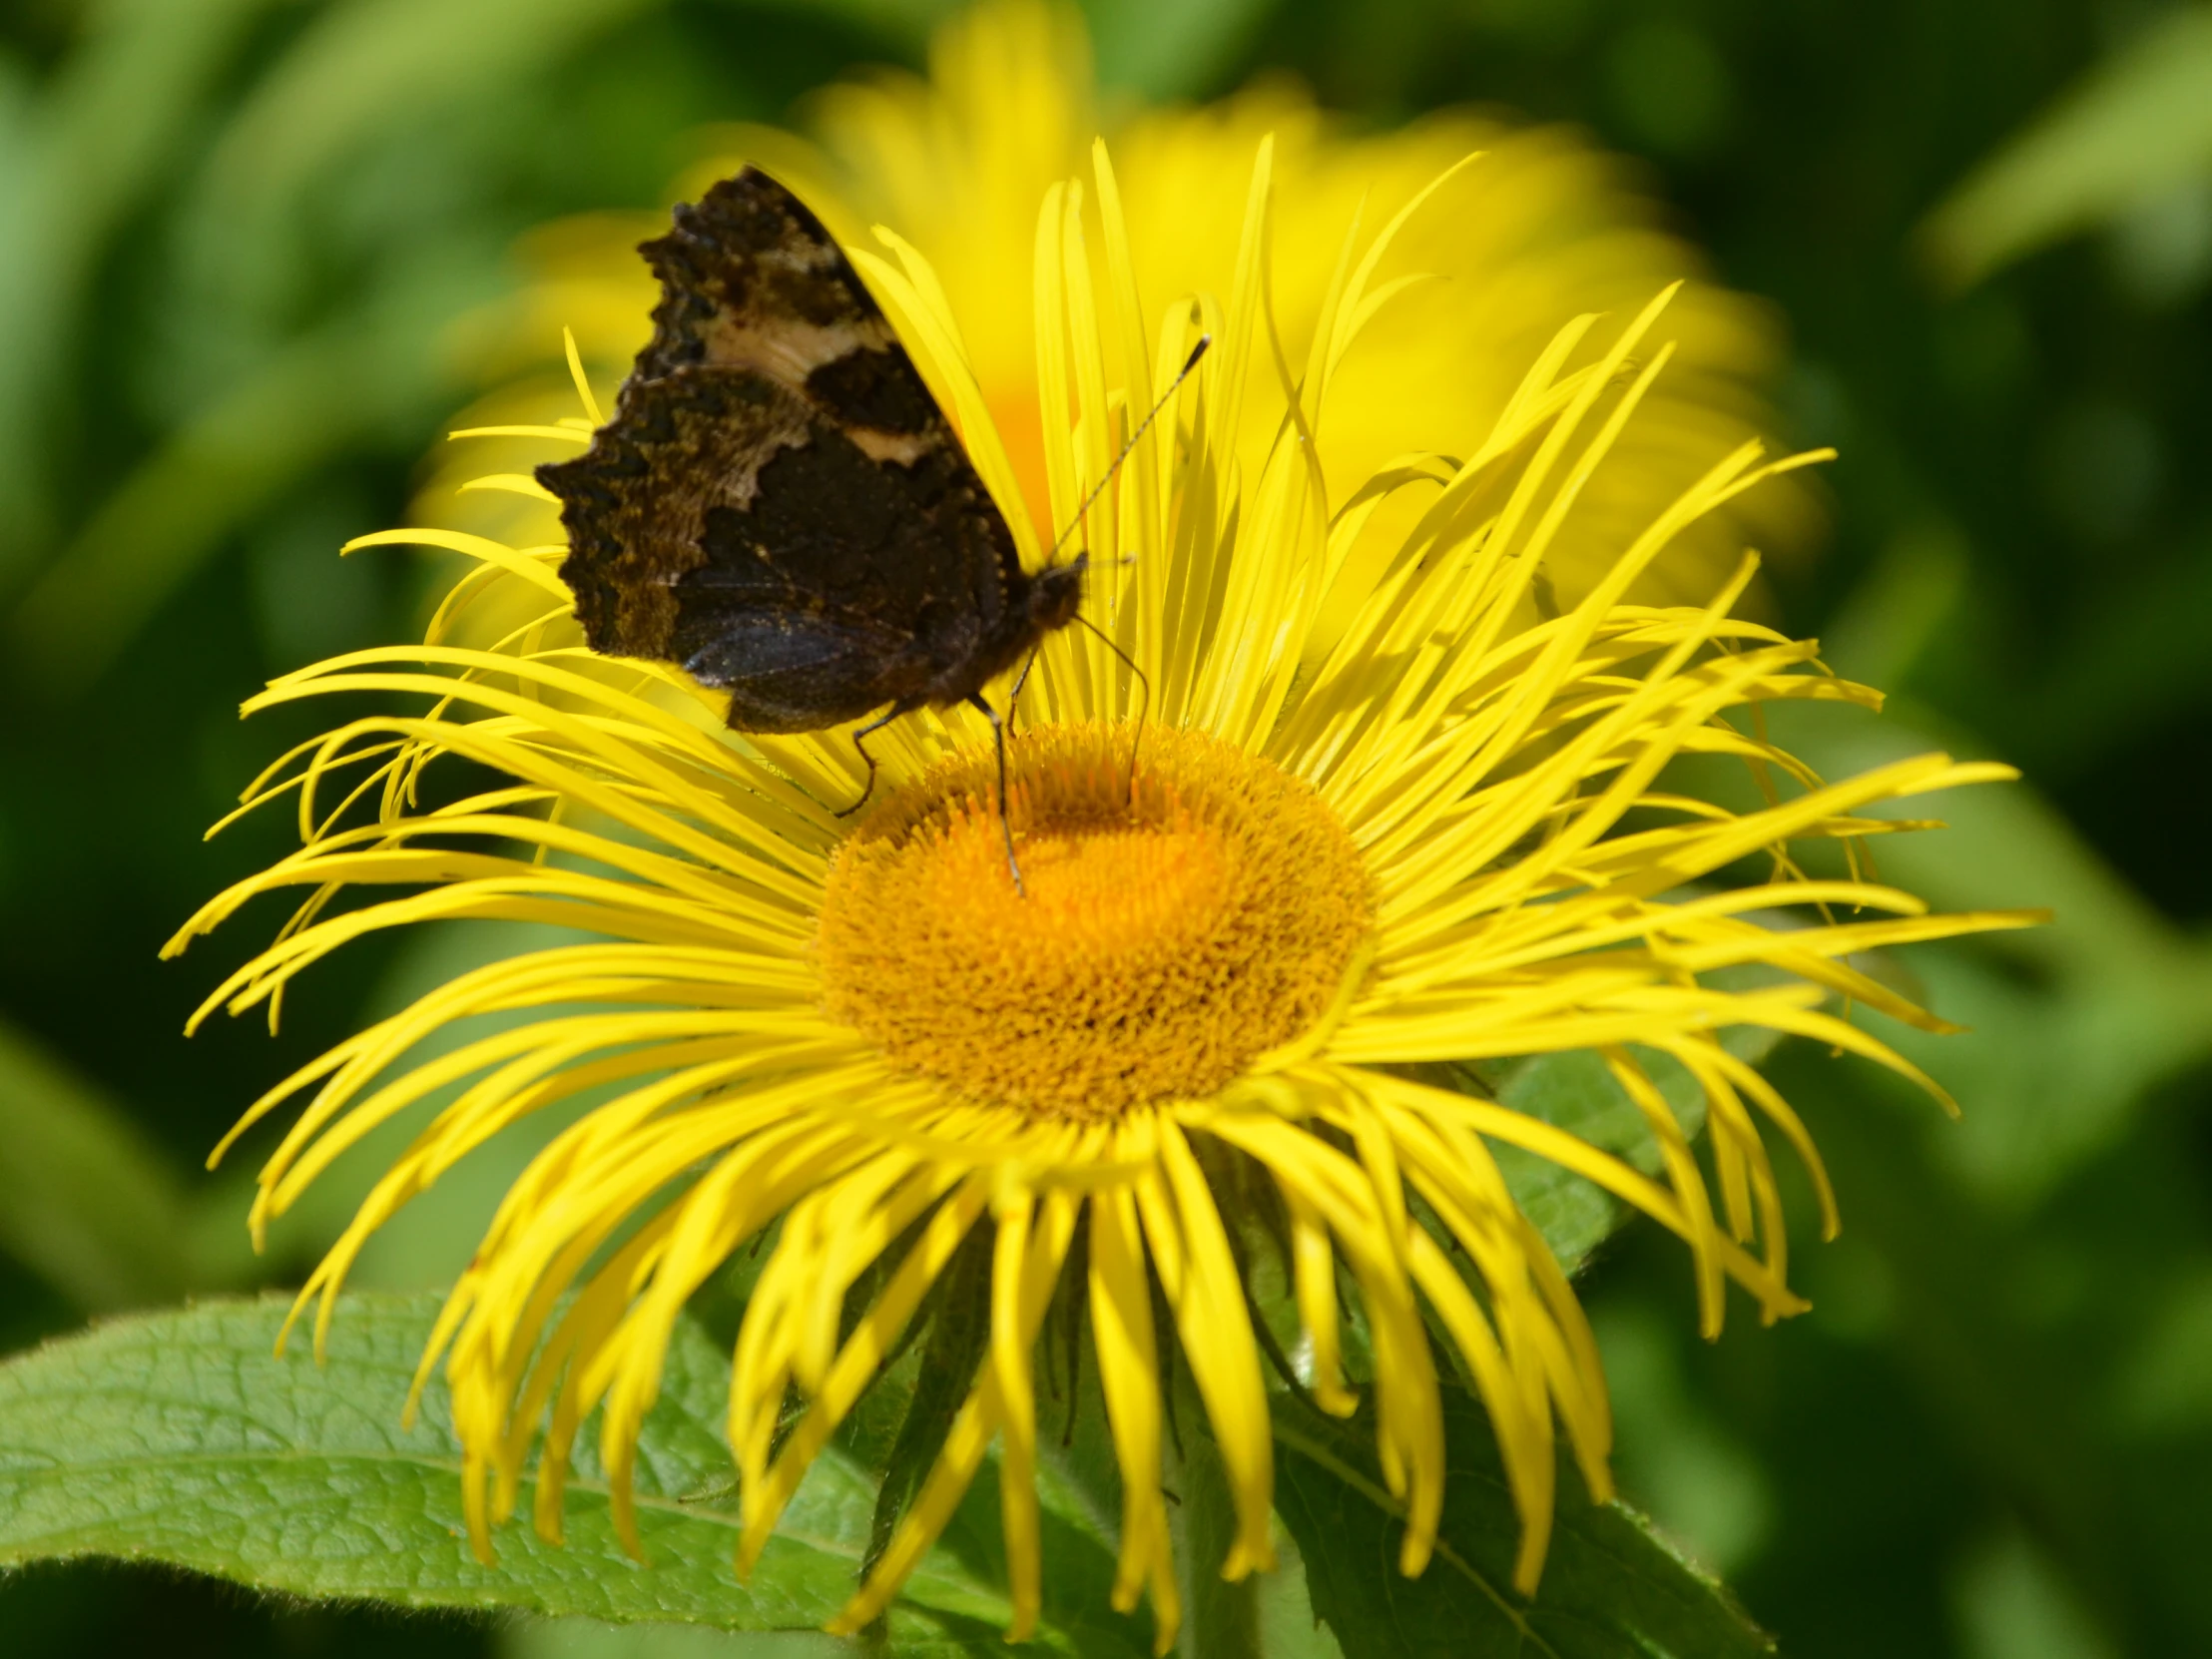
(902, 26)
(85, 1201)
(371, 369)
(362, 67)
(1171, 49)
(1575, 1091)
(2070, 1025)
(2137, 124)
(1289, 1626)
(957, 1339)
(90, 150)
(589, 1639)
(1224, 1618)
(180, 1438)
(1610, 1590)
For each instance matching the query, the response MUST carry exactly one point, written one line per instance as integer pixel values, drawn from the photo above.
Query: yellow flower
(1372, 818)
(1543, 230)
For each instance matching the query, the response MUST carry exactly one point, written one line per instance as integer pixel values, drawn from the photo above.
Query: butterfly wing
(778, 505)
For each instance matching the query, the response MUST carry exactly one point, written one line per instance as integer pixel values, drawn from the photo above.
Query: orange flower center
(1170, 933)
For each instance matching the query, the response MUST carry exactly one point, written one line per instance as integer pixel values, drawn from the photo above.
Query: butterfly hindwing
(787, 675)
(779, 504)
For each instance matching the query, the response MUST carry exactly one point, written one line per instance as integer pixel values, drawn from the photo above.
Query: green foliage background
(238, 238)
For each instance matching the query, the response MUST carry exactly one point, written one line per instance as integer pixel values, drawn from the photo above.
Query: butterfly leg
(869, 730)
(1013, 698)
(1005, 823)
(1144, 702)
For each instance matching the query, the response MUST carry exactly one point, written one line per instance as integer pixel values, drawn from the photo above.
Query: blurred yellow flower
(1377, 818)
(1541, 231)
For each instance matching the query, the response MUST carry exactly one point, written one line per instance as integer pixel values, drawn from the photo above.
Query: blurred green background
(239, 239)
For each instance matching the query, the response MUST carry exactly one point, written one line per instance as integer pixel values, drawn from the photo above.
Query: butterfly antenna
(1144, 707)
(1143, 426)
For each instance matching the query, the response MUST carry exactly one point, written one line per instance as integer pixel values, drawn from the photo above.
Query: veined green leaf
(1610, 1590)
(180, 1438)
(1574, 1091)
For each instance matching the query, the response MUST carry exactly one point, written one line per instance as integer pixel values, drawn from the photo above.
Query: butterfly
(779, 508)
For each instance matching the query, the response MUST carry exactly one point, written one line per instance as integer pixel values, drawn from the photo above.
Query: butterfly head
(1056, 593)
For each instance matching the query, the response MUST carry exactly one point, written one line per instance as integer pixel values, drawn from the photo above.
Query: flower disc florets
(1172, 928)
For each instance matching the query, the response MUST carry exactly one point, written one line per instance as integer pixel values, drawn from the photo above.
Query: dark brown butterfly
(779, 508)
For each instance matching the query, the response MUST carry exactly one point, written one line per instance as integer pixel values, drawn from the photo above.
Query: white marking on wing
(788, 349)
(903, 447)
